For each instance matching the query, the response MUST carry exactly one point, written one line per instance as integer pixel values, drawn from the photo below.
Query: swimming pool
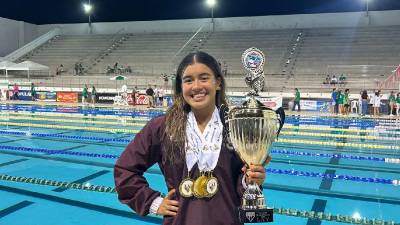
(56, 168)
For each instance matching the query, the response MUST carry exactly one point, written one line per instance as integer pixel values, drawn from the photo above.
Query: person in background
(150, 96)
(165, 78)
(376, 103)
(296, 100)
(161, 93)
(346, 101)
(334, 105)
(124, 91)
(93, 95)
(124, 94)
(76, 68)
(84, 94)
(115, 67)
(60, 69)
(15, 92)
(340, 100)
(392, 102)
(179, 143)
(327, 79)
(342, 79)
(134, 92)
(398, 104)
(80, 68)
(364, 105)
(156, 102)
(334, 80)
(33, 92)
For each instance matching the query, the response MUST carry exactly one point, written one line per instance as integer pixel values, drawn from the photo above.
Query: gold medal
(197, 189)
(203, 187)
(186, 188)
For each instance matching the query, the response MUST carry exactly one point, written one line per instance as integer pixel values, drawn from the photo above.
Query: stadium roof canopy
(71, 11)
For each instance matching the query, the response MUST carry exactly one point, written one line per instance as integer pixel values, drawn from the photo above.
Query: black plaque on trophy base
(256, 215)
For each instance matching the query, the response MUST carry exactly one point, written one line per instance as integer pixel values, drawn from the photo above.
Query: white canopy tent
(6, 64)
(28, 66)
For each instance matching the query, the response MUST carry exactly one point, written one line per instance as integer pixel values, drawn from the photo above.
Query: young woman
(364, 105)
(187, 142)
(376, 103)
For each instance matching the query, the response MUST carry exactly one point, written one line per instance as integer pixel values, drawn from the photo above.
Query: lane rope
(339, 135)
(284, 152)
(105, 117)
(326, 128)
(74, 121)
(338, 144)
(269, 170)
(282, 211)
(63, 136)
(98, 129)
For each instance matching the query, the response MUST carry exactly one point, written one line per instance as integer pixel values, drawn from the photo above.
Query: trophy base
(256, 215)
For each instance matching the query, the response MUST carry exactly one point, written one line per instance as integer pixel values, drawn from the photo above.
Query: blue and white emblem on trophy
(253, 60)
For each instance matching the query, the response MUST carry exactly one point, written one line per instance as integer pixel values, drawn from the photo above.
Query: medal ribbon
(203, 148)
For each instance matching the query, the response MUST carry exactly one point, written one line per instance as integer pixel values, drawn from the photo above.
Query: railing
(32, 45)
(187, 42)
(393, 81)
(184, 46)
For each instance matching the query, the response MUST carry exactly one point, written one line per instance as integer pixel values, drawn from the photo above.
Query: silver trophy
(252, 129)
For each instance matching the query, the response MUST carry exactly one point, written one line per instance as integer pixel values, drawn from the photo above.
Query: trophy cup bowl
(252, 129)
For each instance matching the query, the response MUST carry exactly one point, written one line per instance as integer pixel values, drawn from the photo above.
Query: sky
(71, 11)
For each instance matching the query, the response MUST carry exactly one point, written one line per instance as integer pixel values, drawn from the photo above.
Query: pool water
(325, 170)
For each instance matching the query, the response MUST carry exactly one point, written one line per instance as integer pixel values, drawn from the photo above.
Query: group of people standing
(368, 104)
(15, 92)
(155, 96)
(375, 101)
(340, 101)
(85, 95)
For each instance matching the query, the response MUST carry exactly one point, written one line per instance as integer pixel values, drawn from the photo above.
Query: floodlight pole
(90, 21)
(212, 17)
(367, 17)
(211, 4)
(212, 14)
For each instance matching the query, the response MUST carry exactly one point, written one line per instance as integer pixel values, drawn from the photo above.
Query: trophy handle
(281, 118)
(223, 113)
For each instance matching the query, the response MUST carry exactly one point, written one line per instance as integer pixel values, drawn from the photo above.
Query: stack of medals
(206, 185)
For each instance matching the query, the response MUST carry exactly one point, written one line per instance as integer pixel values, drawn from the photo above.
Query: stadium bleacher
(295, 57)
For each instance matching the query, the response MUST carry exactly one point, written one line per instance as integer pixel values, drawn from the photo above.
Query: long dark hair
(176, 116)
